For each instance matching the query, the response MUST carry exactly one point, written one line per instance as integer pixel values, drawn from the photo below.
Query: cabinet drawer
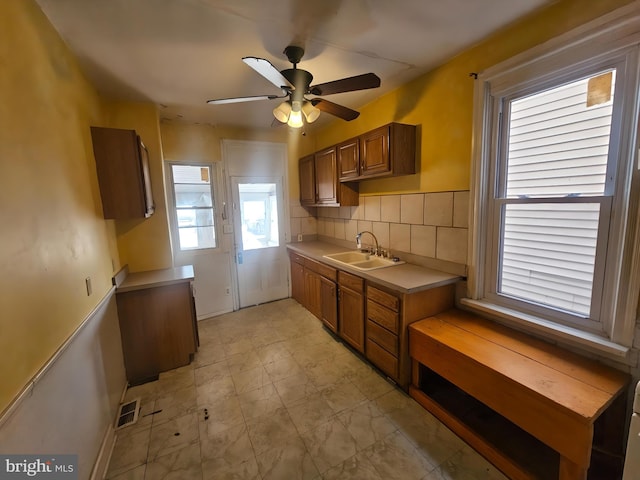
(382, 337)
(312, 265)
(383, 316)
(328, 272)
(296, 258)
(383, 298)
(382, 359)
(350, 281)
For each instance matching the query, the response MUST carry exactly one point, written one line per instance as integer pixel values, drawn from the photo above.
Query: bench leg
(571, 471)
(415, 373)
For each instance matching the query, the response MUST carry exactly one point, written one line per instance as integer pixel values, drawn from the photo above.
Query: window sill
(562, 334)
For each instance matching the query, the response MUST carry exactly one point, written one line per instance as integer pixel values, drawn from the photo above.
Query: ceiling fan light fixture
(282, 112)
(295, 119)
(311, 113)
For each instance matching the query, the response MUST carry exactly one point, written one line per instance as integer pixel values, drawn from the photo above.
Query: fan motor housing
(301, 79)
(294, 53)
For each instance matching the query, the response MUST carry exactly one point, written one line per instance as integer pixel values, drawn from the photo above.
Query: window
(194, 206)
(258, 215)
(554, 168)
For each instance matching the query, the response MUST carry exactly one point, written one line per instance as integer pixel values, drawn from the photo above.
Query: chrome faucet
(359, 241)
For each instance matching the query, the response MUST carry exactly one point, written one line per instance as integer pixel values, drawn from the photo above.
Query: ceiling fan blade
(334, 109)
(268, 71)
(276, 123)
(222, 101)
(350, 84)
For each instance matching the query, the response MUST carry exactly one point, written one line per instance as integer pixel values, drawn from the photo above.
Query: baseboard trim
(99, 471)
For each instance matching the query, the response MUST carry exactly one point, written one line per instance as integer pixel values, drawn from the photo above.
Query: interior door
(261, 257)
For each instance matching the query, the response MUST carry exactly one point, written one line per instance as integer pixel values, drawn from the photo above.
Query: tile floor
(272, 395)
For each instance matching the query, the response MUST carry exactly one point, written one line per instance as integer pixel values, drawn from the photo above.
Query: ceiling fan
(295, 84)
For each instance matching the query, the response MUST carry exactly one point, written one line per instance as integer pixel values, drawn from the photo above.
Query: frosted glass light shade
(311, 113)
(282, 111)
(295, 119)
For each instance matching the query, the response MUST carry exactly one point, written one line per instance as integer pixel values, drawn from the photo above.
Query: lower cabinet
(329, 304)
(297, 281)
(371, 318)
(351, 307)
(158, 330)
(389, 314)
(313, 285)
(312, 291)
(383, 326)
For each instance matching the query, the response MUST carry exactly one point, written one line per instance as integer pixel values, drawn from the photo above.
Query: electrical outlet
(299, 237)
(87, 282)
(227, 291)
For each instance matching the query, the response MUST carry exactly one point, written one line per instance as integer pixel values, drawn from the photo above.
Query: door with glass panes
(260, 239)
(196, 234)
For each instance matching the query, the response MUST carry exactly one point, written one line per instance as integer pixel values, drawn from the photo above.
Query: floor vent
(128, 413)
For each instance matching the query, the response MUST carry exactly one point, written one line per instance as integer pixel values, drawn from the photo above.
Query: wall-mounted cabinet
(328, 178)
(384, 152)
(122, 165)
(319, 185)
(307, 180)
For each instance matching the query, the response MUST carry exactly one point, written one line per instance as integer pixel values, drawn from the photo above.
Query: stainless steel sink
(362, 261)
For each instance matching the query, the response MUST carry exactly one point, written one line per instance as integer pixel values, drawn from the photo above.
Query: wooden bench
(527, 406)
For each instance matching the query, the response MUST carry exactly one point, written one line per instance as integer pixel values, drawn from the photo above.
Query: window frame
(612, 41)
(178, 253)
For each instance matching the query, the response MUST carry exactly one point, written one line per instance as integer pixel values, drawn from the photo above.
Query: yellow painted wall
(202, 143)
(441, 102)
(143, 243)
(53, 234)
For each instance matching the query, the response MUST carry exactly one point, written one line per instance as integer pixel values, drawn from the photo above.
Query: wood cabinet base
(158, 330)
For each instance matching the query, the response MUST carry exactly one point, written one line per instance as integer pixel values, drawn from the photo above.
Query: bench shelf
(532, 409)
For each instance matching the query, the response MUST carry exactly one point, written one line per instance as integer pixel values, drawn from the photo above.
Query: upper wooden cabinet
(319, 185)
(122, 166)
(329, 177)
(348, 154)
(307, 180)
(386, 151)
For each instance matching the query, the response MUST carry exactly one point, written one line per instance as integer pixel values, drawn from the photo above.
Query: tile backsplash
(432, 225)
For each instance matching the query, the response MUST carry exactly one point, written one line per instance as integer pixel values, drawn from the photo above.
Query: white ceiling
(180, 53)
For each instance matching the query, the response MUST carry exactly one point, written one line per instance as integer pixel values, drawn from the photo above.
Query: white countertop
(405, 278)
(156, 278)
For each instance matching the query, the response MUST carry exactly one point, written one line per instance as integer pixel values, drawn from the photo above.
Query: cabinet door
(297, 283)
(156, 326)
(375, 158)
(312, 292)
(351, 321)
(120, 174)
(307, 181)
(349, 159)
(329, 304)
(326, 177)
